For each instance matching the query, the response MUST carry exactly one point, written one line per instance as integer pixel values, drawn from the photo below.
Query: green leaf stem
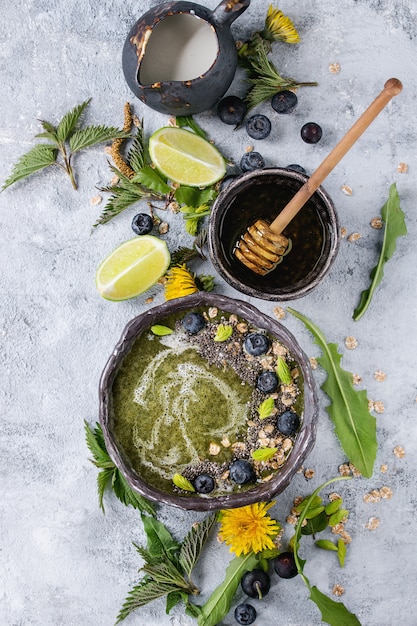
(354, 425)
(395, 227)
(332, 612)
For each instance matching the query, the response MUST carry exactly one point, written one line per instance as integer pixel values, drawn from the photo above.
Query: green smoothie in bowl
(207, 403)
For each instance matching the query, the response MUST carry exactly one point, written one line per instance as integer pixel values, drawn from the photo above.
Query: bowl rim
(222, 202)
(304, 441)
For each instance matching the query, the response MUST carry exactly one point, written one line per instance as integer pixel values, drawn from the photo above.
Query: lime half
(186, 158)
(132, 268)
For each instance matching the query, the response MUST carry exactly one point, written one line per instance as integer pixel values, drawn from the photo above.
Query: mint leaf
(395, 227)
(354, 425)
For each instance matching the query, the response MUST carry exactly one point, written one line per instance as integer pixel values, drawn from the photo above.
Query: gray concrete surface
(64, 563)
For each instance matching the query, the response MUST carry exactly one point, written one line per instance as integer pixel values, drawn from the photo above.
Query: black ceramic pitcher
(180, 57)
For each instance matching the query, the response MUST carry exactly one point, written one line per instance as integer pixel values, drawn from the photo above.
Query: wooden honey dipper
(262, 246)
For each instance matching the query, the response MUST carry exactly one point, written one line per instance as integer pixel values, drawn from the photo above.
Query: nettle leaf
(126, 495)
(265, 409)
(143, 593)
(194, 542)
(220, 601)
(97, 447)
(93, 135)
(39, 157)
(395, 227)
(151, 179)
(136, 154)
(104, 480)
(354, 425)
(70, 121)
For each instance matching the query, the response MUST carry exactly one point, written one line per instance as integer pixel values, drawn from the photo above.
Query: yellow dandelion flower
(248, 528)
(279, 27)
(180, 282)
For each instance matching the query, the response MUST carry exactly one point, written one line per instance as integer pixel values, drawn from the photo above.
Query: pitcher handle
(228, 10)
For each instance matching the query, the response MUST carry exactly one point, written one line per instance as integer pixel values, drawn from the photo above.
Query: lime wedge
(186, 158)
(132, 268)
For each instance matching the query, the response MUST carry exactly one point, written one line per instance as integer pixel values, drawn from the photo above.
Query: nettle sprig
(265, 80)
(109, 476)
(168, 567)
(64, 141)
(137, 180)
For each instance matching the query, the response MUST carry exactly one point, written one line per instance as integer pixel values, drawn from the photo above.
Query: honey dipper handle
(391, 88)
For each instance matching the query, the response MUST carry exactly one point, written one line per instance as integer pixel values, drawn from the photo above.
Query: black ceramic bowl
(314, 233)
(260, 492)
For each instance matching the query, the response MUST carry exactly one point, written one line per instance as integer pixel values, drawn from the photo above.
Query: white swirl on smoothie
(191, 399)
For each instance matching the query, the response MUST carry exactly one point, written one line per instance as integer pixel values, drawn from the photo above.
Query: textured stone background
(63, 562)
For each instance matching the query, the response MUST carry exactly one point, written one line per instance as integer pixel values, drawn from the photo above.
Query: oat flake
(347, 190)
(351, 343)
(384, 468)
(356, 379)
(380, 376)
(354, 237)
(334, 68)
(338, 590)
(279, 312)
(399, 452)
(376, 222)
(372, 523)
(96, 200)
(343, 232)
(402, 168)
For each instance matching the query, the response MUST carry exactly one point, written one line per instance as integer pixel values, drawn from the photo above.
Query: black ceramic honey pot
(180, 57)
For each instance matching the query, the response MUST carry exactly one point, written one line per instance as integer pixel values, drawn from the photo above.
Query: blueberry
(256, 344)
(204, 483)
(142, 224)
(193, 323)
(241, 472)
(267, 382)
(284, 102)
(311, 132)
(256, 583)
(296, 168)
(258, 126)
(251, 161)
(245, 614)
(288, 423)
(231, 110)
(284, 565)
